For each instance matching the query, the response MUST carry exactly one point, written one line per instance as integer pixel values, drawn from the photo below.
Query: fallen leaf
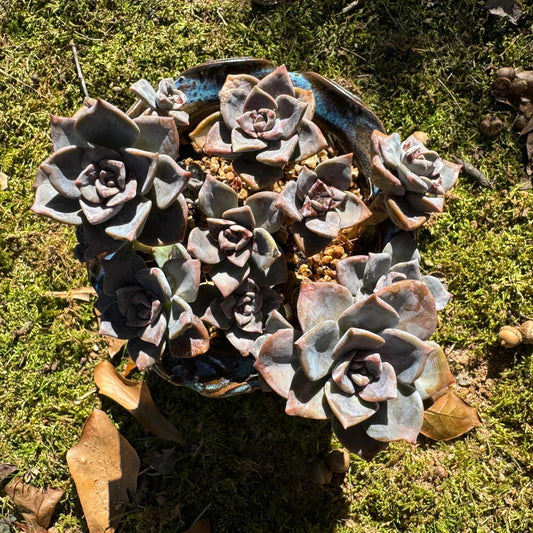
(449, 417)
(130, 367)
(201, 526)
(35, 505)
(504, 8)
(105, 468)
(6, 470)
(83, 293)
(135, 397)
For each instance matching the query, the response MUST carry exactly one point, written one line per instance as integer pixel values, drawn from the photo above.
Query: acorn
(490, 126)
(512, 336)
(338, 460)
(501, 87)
(518, 86)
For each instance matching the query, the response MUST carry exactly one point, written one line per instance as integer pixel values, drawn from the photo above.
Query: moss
(420, 66)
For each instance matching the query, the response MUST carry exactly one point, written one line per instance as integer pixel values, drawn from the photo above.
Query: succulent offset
(193, 264)
(412, 178)
(262, 125)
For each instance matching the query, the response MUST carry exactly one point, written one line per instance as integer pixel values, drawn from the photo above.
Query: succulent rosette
(149, 307)
(358, 364)
(320, 205)
(262, 125)
(166, 101)
(237, 240)
(412, 178)
(364, 275)
(115, 178)
(243, 315)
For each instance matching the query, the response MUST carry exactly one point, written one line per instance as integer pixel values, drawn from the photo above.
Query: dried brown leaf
(6, 470)
(202, 526)
(449, 417)
(35, 505)
(104, 467)
(83, 293)
(135, 397)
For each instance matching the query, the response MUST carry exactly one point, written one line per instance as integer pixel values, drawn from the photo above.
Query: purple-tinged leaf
(129, 222)
(216, 197)
(356, 440)
(158, 134)
(307, 398)
(372, 314)
(349, 409)
(52, 204)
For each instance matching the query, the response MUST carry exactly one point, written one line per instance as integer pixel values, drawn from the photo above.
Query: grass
(420, 66)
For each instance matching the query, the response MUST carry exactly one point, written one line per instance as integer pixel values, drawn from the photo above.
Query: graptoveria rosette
(262, 125)
(149, 307)
(321, 205)
(115, 177)
(358, 363)
(412, 178)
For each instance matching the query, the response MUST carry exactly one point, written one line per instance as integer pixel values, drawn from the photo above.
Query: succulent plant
(262, 125)
(356, 363)
(237, 240)
(320, 205)
(166, 101)
(412, 178)
(115, 177)
(149, 307)
(364, 275)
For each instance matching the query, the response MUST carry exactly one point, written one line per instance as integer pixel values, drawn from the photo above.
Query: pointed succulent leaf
(409, 269)
(255, 174)
(352, 211)
(201, 247)
(316, 349)
(52, 204)
(153, 280)
(278, 153)
(191, 342)
(425, 204)
(349, 409)
(144, 354)
(274, 275)
(357, 339)
(121, 271)
(403, 215)
(165, 226)
(277, 82)
(181, 317)
(307, 398)
(240, 142)
(336, 171)
(258, 99)
(104, 124)
(291, 111)
(218, 141)
(384, 179)
(232, 104)
(286, 201)
(216, 197)
(275, 322)
(144, 90)
(265, 250)
(215, 316)
(356, 440)
(399, 418)
(64, 134)
(129, 222)
(158, 134)
(326, 225)
(162, 254)
(438, 290)
(227, 276)
(321, 301)
(154, 333)
(372, 314)
(378, 265)
(241, 215)
(184, 277)
(308, 242)
(63, 168)
(436, 375)
(402, 248)
(199, 135)
(169, 180)
(449, 174)
(266, 215)
(277, 361)
(415, 306)
(310, 140)
(350, 272)
(113, 323)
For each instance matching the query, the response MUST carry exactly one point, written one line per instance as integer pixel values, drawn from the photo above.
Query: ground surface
(426, 66)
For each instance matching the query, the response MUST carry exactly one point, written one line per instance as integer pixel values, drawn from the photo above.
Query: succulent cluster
(193, 266)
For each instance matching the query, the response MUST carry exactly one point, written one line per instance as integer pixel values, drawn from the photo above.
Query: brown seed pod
(490, 126)
(526, 330)
(518, 86)
(509, 336)
(421, 136)
(320, 473)
(501, 87)
(338, 460)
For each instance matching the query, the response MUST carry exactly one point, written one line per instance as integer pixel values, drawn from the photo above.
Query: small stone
(490, 126)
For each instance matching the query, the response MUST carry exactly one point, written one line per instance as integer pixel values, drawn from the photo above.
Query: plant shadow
(246, 466)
